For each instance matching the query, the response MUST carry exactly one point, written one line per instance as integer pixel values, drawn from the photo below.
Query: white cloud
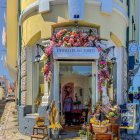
(3, 37)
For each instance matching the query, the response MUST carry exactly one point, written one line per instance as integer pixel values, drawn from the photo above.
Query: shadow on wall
(26, 122)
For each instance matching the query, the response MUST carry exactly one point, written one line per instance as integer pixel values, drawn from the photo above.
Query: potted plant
(85, 134)
(55, 126)
(55, 129)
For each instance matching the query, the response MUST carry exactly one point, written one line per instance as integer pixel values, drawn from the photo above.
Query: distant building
(3, 83)
(2, 94)
(6, 85)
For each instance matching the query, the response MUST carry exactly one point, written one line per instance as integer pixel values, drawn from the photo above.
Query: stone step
(64, 135)
(31, 116)
(34, 114)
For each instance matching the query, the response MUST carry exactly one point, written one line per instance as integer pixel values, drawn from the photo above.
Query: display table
(115, 129)
(104, 136)
(114, 132)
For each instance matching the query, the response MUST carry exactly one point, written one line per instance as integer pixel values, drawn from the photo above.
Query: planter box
(55, 134)
(103, 136)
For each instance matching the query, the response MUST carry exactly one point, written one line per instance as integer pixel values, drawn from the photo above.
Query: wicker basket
(99, 129)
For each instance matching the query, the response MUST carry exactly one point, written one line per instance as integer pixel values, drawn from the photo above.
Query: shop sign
(128, 118)
(75, 53)
(133, 48)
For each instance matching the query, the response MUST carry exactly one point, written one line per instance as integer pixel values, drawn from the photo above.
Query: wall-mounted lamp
(37, 57)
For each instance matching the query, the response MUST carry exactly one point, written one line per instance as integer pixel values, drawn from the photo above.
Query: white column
(93, 85)
(46, 93)
(56, 85)
(105, 98)
(97, 94)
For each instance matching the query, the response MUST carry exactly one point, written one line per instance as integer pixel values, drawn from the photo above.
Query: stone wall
(29, 76)
(26, 76)
(23, 76)
(26, 123)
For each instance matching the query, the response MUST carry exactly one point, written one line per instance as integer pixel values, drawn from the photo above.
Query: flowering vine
(103, 74)
(66, 38)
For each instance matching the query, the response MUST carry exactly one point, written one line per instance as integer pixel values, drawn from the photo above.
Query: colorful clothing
(68, 104)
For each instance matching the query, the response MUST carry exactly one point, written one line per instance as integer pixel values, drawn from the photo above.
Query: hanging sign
(128, 118)
(75, 53)
(133, 48)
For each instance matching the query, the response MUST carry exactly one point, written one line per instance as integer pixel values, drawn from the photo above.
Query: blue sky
(136, 81)
(3, 69)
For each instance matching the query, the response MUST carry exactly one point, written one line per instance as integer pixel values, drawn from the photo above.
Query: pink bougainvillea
(48, 51)
(103, 74)
(65, 38)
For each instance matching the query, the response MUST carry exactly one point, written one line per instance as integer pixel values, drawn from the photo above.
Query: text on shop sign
(75, 53)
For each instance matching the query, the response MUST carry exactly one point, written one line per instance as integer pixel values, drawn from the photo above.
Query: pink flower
(71, 41)
(90, 38)
(49, 50)
(103, 63)
(76, 44)
(66, 38)
(60, 43)
(53, 38)
(58, 35)
(86, 44)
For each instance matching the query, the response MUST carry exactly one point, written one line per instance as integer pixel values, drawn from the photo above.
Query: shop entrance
(77, 91)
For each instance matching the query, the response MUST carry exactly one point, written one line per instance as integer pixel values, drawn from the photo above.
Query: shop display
(74, 38)
(55, 126)
(99, 126)
(111, 112)
(85, 133)
(76, 108)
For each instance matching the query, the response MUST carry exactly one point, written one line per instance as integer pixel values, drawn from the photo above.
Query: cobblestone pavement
(9, 124)
(2, 106)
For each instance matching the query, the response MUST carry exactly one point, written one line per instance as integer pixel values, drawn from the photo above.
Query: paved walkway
(9, 124)
(2, 106)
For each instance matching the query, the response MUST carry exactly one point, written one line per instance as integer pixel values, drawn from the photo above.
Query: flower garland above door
(74, 38)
